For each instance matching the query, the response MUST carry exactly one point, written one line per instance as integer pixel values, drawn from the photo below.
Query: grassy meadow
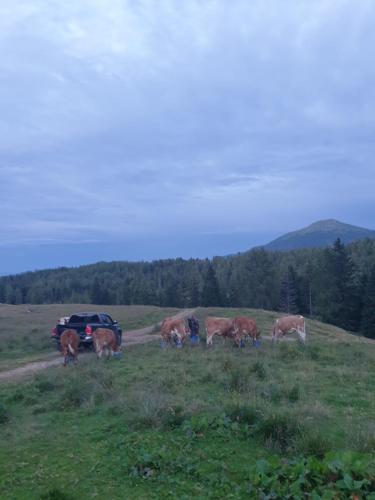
(25, 329)
(272, 422)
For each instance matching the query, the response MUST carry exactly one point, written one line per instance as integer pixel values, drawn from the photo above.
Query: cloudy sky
(140, 129)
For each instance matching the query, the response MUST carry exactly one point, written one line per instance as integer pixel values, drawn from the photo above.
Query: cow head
(302, 336)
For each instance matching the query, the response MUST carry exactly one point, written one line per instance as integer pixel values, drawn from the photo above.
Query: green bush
(336, 476)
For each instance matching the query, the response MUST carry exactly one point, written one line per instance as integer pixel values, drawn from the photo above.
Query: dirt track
(131, 337)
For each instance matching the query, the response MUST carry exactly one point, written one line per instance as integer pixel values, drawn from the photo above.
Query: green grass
(192, 422)
(25, 329)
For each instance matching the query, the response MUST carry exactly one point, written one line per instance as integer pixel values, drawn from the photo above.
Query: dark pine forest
(335, 284)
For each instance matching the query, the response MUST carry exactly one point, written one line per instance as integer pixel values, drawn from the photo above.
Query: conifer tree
(342, 295)
(288, 292)
(211, 292)
(368, 312)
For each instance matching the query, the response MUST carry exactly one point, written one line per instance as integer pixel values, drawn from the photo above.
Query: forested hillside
(335, 284)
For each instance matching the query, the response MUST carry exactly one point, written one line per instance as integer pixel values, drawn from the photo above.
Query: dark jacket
(193, 325)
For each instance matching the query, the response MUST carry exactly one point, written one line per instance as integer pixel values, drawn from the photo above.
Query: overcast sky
(142, 129)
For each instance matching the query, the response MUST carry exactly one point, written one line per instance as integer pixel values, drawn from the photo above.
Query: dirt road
(131, 337)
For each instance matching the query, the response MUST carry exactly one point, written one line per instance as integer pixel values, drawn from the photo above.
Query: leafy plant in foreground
(336, 476)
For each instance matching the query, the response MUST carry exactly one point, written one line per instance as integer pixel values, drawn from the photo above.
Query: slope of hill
(196, 422)
(320, 234)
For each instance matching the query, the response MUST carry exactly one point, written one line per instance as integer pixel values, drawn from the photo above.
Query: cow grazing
(245, 327)
(69, 341)
(105, 340)
(289, 324)
(218, 326)
(174, 331)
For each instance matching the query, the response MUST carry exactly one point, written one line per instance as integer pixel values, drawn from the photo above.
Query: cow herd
(175, 332)
(238, 329)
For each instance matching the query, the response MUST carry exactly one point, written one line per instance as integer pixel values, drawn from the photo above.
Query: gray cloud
(149, 118)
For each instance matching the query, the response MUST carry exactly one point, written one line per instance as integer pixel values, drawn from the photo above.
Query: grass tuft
(55, 494)
(279, 431)
(4, 414)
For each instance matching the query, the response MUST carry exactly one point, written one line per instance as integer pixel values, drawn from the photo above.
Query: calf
(69, 341)
(245, 327)
(288, 324)
(105, 339)
(174, 330)
(218, 326)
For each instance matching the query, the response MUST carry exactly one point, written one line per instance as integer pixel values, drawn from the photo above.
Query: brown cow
(69, 341)
(105, 339)
(245, 327)
(290, 324)
(174, 331)
(218, 326)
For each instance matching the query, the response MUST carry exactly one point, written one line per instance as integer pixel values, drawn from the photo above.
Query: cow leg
(301, 335)
(99, 352)
(209, 339)
(97, 349)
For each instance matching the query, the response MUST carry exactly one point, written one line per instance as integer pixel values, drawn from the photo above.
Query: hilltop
(320, 234)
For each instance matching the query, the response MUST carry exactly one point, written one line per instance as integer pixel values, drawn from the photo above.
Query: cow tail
(71, 349)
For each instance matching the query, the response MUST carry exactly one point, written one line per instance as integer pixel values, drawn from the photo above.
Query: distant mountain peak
(320, 234)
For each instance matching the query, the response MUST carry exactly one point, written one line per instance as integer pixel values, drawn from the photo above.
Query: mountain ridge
(320, 234)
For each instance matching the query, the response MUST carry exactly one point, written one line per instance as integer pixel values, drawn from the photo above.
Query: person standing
(194, 329)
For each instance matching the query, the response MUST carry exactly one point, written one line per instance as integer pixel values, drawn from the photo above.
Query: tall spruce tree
(342, 305)
(368, 311)
(288, 292)
(211, 296)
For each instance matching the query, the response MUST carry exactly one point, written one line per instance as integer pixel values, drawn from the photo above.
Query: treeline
(335, 284)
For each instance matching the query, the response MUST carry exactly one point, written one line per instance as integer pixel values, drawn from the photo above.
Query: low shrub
(336, 476)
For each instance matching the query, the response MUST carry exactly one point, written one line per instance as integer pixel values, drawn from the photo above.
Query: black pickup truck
(85, 324)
